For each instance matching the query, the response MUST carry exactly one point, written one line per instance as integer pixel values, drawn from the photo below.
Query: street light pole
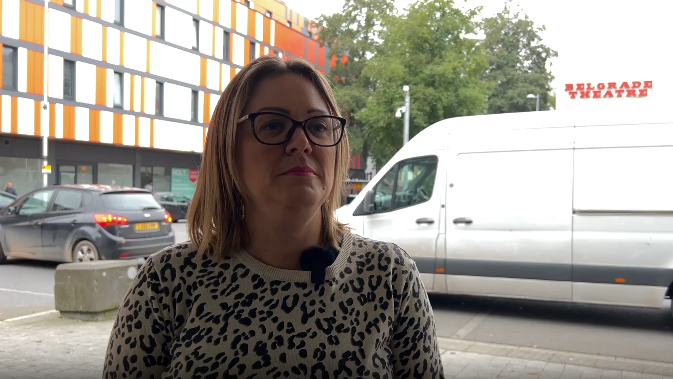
(44, 125)
(407, 105)
(537, 103)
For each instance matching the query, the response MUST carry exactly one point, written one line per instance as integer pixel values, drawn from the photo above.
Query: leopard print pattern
(189, 316)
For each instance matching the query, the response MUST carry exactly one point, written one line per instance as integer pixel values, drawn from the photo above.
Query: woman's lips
(300, 171)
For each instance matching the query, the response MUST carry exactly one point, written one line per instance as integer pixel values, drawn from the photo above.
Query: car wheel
(3, 257)
(175, 220)
(84, 251)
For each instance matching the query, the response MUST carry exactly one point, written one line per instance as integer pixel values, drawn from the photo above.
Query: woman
(234, 302)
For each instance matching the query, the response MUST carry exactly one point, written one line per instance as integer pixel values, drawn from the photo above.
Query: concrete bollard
(92, 291)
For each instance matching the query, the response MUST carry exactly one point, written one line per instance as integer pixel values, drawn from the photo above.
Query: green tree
(517, 61)
(354, 33)
(427, 50)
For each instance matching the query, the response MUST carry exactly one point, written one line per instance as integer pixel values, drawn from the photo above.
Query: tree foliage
(426, 50)
(354, 33)
(517, 61)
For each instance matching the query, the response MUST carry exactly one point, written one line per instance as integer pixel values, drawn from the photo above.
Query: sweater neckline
(273, 273)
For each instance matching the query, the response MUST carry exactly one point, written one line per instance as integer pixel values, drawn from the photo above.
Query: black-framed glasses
(272, 128)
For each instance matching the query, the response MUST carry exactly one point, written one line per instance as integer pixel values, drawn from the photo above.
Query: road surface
(26, 287)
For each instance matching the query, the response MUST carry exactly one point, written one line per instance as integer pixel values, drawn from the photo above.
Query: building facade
(131, 84)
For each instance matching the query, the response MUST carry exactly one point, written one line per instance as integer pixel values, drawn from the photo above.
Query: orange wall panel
(101, 86)
(311, 47)
(35, 72)
(98, 7)
(75, 35)
(57, 2)
(233, 15)
(52, 120)
(86, 6)
(246, 52)
(104, 43)
(94, 125)
(14, 129)
(1, 45)
(206, 107)
(121, 48)
(154, 19)
(152, 133)
(216, 10)
(38, 118)
(68, 122)
(252, 21)
(147, 68)
(133, 92)
(117, 128)
(266, 37)
(321, 56)
(142, 94)
(289, 40)
(137, 138)
(204, 72)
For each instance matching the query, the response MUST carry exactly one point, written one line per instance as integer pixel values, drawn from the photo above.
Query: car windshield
(129, 201)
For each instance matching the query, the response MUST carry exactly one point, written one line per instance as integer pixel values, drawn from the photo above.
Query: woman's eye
(272, 126)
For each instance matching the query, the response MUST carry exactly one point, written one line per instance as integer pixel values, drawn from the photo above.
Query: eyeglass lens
(274, 129)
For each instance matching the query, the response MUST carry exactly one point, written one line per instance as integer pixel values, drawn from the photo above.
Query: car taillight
(106, 219)
(168, 218)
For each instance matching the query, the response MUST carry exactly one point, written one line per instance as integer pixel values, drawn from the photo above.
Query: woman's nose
(298, 142)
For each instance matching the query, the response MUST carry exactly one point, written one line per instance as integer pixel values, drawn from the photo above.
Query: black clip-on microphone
(316, 259)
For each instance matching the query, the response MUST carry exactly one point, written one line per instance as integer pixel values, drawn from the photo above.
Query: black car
(79, 223)
(6, 198)
(176, 204)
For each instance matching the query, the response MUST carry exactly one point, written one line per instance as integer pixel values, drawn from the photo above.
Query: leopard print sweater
(188, 316)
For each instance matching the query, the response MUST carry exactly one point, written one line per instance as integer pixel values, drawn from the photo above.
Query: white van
(538, 205)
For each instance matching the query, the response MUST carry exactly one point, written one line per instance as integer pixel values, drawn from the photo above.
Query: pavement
(48, 346)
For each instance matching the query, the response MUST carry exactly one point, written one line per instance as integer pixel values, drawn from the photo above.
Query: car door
(22, 228)
(166, 201)
(181, 204)
(61, 222)
(406, 211)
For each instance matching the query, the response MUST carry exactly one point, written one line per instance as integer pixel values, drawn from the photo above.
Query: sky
(607, 39)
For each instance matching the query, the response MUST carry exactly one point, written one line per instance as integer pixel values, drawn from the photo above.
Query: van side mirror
(367, 204)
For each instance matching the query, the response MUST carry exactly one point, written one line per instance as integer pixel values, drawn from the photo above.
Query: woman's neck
(279, 241)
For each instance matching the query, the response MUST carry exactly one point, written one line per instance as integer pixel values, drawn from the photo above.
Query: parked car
(79, 223)
(176, 204)
(535, 205)
(6, 198)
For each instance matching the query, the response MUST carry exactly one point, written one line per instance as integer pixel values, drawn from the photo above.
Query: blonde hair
(215, 220)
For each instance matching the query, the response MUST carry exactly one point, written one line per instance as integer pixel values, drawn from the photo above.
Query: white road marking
(470, 326)
(26, 292)
(30, 316)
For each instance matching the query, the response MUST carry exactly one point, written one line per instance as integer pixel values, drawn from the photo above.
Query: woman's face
(296, 174)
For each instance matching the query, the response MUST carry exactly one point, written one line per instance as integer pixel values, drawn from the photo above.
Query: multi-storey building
(130, 84)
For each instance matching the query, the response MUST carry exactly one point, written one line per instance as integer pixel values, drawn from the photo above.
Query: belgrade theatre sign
(608, 90)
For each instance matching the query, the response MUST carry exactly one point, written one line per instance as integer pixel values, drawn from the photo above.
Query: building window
(289, 24)
(118, 101)
(195, 106)
(69, 3)
(119, 12)
(268, 14)
(68, 80)
(227, 46)
(10, 77)
(159, 27)
(195, 40)
(159, 100)
(247, 3)
(158, 177)
(114, 174)
(252, 51)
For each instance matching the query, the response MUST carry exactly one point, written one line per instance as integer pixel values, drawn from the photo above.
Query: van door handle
(462, 220)
(425, 220)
